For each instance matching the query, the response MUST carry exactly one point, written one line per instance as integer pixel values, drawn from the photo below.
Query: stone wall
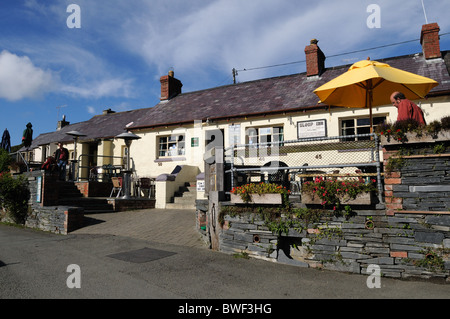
(201, 220)
(55, 219)
(247, 234)
(403, 245)
(52, 218)
(422, 183)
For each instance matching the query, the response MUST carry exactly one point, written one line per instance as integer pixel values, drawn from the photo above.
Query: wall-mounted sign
(200, 185)
(194, 142)
(38, 189)
(308, 129)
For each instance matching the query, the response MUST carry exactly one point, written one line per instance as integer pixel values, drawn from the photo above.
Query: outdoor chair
(146, 183)
(276, 173)
(117, 186)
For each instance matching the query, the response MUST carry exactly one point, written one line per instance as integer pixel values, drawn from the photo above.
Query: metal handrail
(97, 156)
(23, 159)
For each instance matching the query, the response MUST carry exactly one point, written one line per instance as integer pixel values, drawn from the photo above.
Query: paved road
(33, 264)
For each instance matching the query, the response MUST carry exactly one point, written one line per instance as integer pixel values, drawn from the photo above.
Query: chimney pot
(62, 123)
(108, 111)
(315, 59)
(429, 39)
(170, 86)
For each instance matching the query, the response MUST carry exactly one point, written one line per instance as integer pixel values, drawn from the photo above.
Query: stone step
(186, 189)
(90, 204)
(68, 189)
(180, 206)
(186, 195)
(187, 199)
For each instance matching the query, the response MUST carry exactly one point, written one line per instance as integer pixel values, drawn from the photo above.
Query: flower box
(268, 198)
(364, 198)
(412, 137)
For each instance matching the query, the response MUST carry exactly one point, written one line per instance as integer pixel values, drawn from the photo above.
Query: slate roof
(100, 126)
(275, 95)
(267, 96)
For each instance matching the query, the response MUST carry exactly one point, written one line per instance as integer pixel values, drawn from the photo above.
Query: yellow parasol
(370, 83)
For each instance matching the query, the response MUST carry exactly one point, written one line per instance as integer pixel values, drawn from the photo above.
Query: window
(234, 131)
(173, 145)
(265, 135)
(360, 125)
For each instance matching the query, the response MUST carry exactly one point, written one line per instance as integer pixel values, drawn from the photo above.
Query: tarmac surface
(157, 254)
(169, 226)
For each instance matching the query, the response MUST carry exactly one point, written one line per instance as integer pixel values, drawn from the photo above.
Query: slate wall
(55, 219)
(422, 184)
(398, 244)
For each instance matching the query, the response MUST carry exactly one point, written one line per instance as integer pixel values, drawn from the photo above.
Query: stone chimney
(315, 59)
(62, 123)
(108, 111)
(170, 87)
(429, 39)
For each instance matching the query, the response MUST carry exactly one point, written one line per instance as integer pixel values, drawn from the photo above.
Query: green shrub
(5, 160)
(14, 196)
(445, 122)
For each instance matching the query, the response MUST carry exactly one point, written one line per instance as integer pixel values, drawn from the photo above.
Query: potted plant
(260, 193)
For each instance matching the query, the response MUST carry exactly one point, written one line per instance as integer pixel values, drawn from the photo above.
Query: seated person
(50, 164)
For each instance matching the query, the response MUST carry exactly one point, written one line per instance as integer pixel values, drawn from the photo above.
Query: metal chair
(146, 183)
(117, 186)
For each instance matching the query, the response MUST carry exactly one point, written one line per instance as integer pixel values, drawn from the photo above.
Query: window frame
(177, 141)
(356, 126)
(252, 139)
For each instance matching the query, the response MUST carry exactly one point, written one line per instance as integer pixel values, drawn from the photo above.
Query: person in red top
(406, 109)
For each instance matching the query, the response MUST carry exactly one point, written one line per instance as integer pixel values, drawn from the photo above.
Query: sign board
(308, 129)
(194, 141)
(200, 185)
(38, 189)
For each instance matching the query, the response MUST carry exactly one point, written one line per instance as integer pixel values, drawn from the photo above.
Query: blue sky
(122, 48)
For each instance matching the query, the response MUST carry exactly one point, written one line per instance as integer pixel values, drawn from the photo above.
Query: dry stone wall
(403, 246)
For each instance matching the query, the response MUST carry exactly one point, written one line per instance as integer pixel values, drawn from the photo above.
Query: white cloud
(224, 34)
(91, 110)
(20, 79)
(203, 40)
(102, 88)
(212, 36)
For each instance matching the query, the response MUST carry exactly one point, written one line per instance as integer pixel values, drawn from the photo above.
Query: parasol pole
(369, 98)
